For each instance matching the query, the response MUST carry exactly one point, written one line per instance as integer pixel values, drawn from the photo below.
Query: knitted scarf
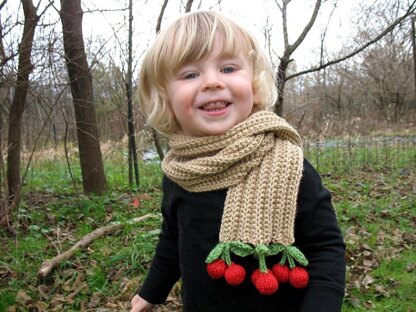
(260, 162)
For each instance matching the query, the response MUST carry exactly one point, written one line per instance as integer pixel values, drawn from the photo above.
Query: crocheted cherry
(266, 283)
(254, 276)
(299, 277)
(216, 269)
(281, 272)
(235, 274)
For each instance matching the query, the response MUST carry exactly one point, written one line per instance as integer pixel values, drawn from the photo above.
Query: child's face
(210, 96)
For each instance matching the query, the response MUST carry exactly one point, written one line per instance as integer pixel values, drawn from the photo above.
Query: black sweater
(190, 231)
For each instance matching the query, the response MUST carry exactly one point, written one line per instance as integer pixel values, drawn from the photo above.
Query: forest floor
(375, 205)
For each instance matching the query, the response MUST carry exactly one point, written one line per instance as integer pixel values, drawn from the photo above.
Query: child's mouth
(215, 106)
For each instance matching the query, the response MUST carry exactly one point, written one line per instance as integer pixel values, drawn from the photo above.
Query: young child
(247, 224)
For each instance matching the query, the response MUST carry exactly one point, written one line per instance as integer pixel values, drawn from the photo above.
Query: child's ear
(256, 97)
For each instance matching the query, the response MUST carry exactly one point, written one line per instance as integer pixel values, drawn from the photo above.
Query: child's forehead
(219, 45)
(194, 37)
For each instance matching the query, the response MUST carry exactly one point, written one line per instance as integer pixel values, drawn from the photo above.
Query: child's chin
(219, 130)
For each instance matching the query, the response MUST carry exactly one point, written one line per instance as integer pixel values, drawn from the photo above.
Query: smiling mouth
(215, 106)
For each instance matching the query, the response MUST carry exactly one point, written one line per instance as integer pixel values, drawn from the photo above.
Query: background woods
(319, 75)
(70, 127)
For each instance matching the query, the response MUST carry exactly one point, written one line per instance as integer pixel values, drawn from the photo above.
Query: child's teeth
(214, 105)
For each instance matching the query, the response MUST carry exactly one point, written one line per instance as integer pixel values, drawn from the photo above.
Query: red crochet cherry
(235, 274)
(216, 269)
(254, 276)
(266, 283)
(281, 272)
(299, 277)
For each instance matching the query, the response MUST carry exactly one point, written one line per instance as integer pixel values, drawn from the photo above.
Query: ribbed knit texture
(260, 161)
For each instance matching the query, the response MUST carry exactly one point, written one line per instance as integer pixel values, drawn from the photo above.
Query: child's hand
(138, 304)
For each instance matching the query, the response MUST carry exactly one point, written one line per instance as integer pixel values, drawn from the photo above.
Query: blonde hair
(190, 38)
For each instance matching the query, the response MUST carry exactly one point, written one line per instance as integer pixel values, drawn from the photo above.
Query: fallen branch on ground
(47, 267)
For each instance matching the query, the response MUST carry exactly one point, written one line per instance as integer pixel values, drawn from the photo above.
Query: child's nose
(212, 81)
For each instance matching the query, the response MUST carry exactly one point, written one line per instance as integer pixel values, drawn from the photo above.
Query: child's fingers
(138, 304)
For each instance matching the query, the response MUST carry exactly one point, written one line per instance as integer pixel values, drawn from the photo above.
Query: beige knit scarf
(260, 162)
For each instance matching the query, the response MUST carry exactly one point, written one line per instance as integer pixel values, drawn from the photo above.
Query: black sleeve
(164, 270)
(319, 237)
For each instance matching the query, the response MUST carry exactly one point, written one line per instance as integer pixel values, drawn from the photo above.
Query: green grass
(52, 217)
(377, 213)
(374, 201)
(374, 154)
(392, 289)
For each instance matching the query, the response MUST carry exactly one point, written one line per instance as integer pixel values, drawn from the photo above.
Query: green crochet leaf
(275, 249)
(241, 249)
(297, 255)
(215, 253)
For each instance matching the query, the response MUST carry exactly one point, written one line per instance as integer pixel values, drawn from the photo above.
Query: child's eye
(190, 76)
(228, 69)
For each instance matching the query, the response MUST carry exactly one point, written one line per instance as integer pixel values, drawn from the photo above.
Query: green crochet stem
(224, 250)
(283, 260)
(262, 251)
(289, 253)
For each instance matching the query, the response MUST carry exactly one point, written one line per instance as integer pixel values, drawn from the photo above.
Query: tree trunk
(92, 169)
(129, 90)
(413, 34)
(281, 82)
(156, 138)
(289, 49)
(25, 67)
(1, 156)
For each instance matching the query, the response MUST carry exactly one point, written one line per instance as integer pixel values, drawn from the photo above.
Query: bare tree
(156, 138)
(4, 57)
(25, 67)
(411, 10)
(3, 61)
(92, 169)
(132, 159)
(387, 68)
(289, 49)
(413, 40)
(367, 92)
(283, 77)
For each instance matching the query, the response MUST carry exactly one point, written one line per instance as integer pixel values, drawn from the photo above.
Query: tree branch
(410, 11)
(278, 5)
(2, 4)
(188, 6)
(307, 28)
(284, 22)
(47, 266)
(323, 35)
(105, 10)
(162, 12)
